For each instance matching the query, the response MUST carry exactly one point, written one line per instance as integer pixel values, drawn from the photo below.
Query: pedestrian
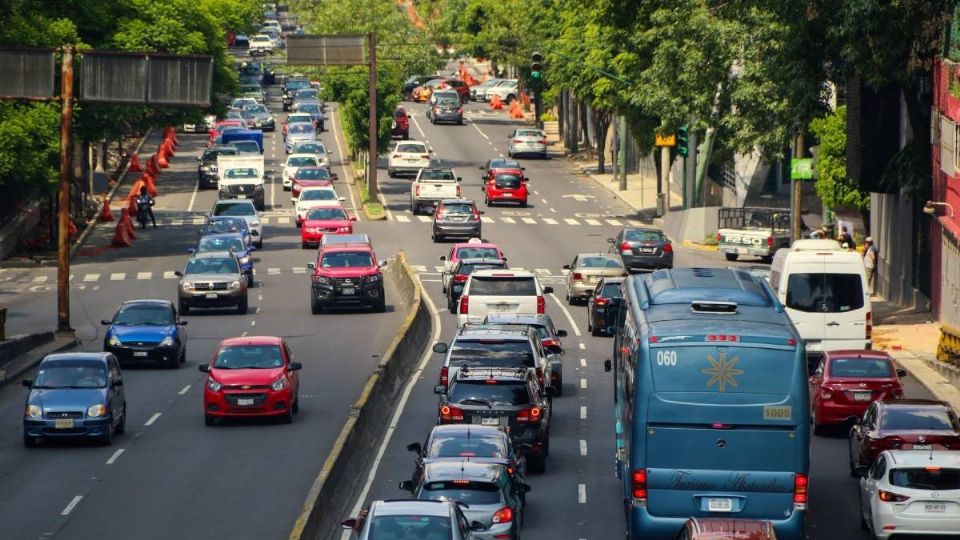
(817, 234)
(845, 239)
(870, 262)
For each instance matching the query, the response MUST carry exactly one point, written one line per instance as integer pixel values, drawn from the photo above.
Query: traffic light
(683, 144)
(536, 66)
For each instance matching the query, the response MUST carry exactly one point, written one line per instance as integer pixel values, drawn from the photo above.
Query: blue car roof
(84, 356)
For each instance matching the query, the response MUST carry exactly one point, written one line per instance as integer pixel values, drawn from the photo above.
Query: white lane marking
(41, 279)
(184, 390)
(283, 220)
(193, 196)
(253, 323)
(91, 277)
(554, 210)
(343, 169)
(544, 271)
(417, 125)
(614, 222)
(583, 412)
(583, 447)
(544, 201)
(583, 383)
(535, 192)
(495, 149)
(583, 362)
(152, 419)
(402, 219)
(424, 219)
(170, 274)
(482, 134)
(419, 268)
(71, 505)
(273, 271)
(176, 222)
(257, 310)
(485, 219)
(438, 269)
(118, 276)
(571, 221)
(592, 222)
(198, 221)
(549, 221)
(299, 270)
(531, 221)
(273, 188)
(432, 280)
(566, 312)
(244, 334)
(635, 223)
(144, 275)
(507, 220)
(582, 493)
(583, 347)
(71, 277)
(115, 456)
(411, 382)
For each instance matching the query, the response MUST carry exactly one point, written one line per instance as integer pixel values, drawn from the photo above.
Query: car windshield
(472, 445)
(297, 84)
(411, 149)
(493, 391)
(213, 265)
(599, 262)
(456, 209)
(410, 527)
(876, 368)
(234, 209)
(298, 118)
(318, 195)
(306, 94)
(326, 213)
(71, 374)
(918, 418)
(509, 181)
(144, 315)
(226, 225)
(210, 243)
(347, 259)
(257, 109)
(464, 491)
(503, 286)
(311, 108)
(492, 353)
(241, 173)
(249, 357)
(639, 235)
(312, 174)
(250, 89)
(301, 128)
(448, 102)
(211, 155)
(435, 174)
(302, 161)
(478, 253)
(309, 148)
(928, 478)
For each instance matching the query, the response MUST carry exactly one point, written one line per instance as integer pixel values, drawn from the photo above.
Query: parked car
(146, 331)
(75, 396)
(642, 249)
(586, 270)
(844, 383)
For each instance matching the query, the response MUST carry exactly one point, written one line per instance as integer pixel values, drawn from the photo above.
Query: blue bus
(711, 403)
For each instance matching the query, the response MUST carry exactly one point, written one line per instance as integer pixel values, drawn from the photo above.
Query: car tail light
(769, 241)
(476, 214)
(464, 304)
(503, 515)
(445, 375)
(425, 156)
(869, 324)
(889, 496)
(577, 276)
(541, 305)
(550, 343)
(517, 141)
(638, 487)
(529, 414)
(599, 301)
(668, 248)
(800, 484)
(826, 393)
(460, 278)
(451, 414)
(417, 192)
(458, 191)
(625, 248)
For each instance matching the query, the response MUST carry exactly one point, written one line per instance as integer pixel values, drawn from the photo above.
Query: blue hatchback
(229, 242)
(75, 396)
(228, 224)
(146, 331)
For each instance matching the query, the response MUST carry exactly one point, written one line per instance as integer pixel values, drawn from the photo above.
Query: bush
(548, 117)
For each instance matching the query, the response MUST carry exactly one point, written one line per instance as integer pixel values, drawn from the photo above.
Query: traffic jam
(722, 376)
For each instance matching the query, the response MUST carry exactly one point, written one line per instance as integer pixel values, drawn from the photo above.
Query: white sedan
(408, 157)
(294, 162)
(314, 196)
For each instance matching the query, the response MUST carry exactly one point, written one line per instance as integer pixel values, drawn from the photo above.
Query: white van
(824, 289)
(501, 291)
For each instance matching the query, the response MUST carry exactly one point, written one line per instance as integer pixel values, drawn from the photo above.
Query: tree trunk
(601, 124)
(585, 125)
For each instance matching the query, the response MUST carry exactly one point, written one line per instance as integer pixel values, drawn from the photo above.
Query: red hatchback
(846, 382)
(324, 220)
(251, 376)
(902, 424)
(310, 177)
(506, 186)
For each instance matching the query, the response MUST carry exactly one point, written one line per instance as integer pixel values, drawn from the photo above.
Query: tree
(833, 186)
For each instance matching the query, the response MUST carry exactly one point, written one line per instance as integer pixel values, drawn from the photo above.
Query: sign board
(158, 79)
(180, 80)
(27, 73)
(332, 50)
(665, 140)
(801, 169)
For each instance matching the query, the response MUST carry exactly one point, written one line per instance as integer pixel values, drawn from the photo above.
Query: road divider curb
(340, 477)
(20, 354)
(701, 247)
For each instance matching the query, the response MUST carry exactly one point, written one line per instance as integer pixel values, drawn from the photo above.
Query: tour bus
(711, 405)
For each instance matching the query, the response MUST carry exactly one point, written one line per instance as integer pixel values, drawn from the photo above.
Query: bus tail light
(638, 487)
(541, 305)
(450, 414)
(800, 484)
(464, 305)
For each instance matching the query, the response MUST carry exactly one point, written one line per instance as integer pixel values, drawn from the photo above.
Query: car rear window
(411, 526)
(399, 113)
(928, 478)
(457, 209)
(304, 161)
(467, 446)
(463, 491)
(309, 148)
(611, 290)
(634, 235)
(861, 367)
(492, 353)
(411, 149)
(503, 286)
(493, 392)
(509, 181)
(599, 262)
(918, 418)
(437, 175)
(241, 173)
(478, 253)
(824, 293)
(210, 155)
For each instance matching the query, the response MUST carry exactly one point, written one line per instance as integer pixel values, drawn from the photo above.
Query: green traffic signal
(536, 66)
(683, 143)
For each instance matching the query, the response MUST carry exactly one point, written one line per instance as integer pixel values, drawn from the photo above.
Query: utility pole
(796, 193)
(623, 153)
(372, 189)
(63, 198)
(663, 182)
(693, 199)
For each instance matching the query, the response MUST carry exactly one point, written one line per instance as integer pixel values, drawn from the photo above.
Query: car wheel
(537, 464)
(315, 307)
(391, 174)
(286, 188)
(174, 362)
(250, 280)
(107, 439)
(486, 201)
(731, 256)
(451, 306)
(558, 387)
(850, 461)
(766, 260)
(259, 244)
(122, 426)
(304, 245)
(523, 204)
(543, 155)
(30, 442)
(209, 420)
(864, 526)
(183, 308)
(571, 300)
(287, 417)
(380, 307)
(242, 306)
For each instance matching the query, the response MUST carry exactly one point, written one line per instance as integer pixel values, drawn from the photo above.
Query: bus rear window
(824, 293)
(723, 369)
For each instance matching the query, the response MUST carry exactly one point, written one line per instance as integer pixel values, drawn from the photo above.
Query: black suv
(207, 174)
(507, 397)
(290, 88)
(478, 345)
(549, 338)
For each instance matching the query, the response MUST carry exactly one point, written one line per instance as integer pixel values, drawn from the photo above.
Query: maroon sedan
(310, 177)
(902, 424)
(845, 383)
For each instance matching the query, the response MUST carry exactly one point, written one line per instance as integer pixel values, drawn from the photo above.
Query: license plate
(935, 508)
(241, 196)
(647, 250)
(862, 396)
(491, 421)
(63, 423)
(140, 353)
(211, 296)
(245, 402)
(922, 446)
(719, 505)
(502, 307)
(349, 290)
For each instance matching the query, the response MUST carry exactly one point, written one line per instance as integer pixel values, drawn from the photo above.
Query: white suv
(501, 291)
(408, 157)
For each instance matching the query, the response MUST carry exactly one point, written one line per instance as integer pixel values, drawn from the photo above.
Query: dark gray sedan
(643, 249)
(457, 218)
(446, 110)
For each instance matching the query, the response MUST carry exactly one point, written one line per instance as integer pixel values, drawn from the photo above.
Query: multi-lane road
(170, 476)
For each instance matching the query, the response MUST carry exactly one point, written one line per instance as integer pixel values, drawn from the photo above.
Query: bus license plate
(719, 505)
(490, 421)
(935, 508)
(63, 423)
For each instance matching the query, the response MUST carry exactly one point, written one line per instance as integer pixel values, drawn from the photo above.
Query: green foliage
(30, 152)
(833, 186)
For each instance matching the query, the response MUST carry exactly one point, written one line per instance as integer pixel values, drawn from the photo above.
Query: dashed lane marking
(614, 222)
(583, 384)
(273, 271)
(169, 274)
(40, 279)
(592, 222)
(486, 219)
(583, 412)
(507, 220)
(571, 221)
(583, 362)
(530, 221)
(91, 277)
(402, 219)
(71, 505)
(583, 447)
(582, 493)
(144, 275)
(152, 419)
(549, 221)
(184, 390)
(118, 276)
(115, 456)
(299, 270)
(424, 219)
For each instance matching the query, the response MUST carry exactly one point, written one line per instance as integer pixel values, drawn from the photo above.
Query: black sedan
(642, 249)
(603, 305)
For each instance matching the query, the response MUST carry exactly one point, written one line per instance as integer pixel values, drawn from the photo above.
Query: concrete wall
(694, 224)
(893, 234)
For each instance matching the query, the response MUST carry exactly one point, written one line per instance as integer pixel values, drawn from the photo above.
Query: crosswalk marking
(438, 268)
(91, 277)
(550, 221)
(299, 270)
(40, 279)
(176, 222)
(507, 220)
(485, 219)
(198, 221)
(117, 276)
(402, 218)
(144, 275)
(614, 222)
(169, 274)
(635, 223)
(592, 222)
(283, 220)
(424, 219)
(571, 221)
(273, 271)
(542, 270)
(418, 268)
(531, 221)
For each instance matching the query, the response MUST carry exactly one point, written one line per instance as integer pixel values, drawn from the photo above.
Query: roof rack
(467, 370)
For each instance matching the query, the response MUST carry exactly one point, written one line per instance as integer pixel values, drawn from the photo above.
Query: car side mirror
(27, 383)
(561, 333)
(607, 366)
(440, 389)
(353, 218)
(414, 447)
(459, 179)
(381, 264)
(178, 273)
(205, 368)
(566, 267)
(252, 248)
(191, 250)
(341, 199)
(349, 524)
(901, 372)
(480, 167)
(610, 241)
(477, 526)
(548, 290)
(183, 323)
(198, 158)
(311, 266)
(406, 485)
(860, 471)
(295, 366)
(525, 487)
(440, 347)
(118, 382)
(443, 257)
(105, 322)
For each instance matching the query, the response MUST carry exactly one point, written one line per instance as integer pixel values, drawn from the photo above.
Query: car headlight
(279, 384)
(167, 341)
(34, 411)
(114, 341)
(235, 284)
(322, 280)
(372, 278)
(96, 411)
(254, 224)
(187, 286)
(245, 259)
(213, 385)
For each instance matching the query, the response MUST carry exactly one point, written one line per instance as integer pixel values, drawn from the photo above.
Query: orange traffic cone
(135, 188)
(495, 103)
(121, 236)
(167, 148)
(152, 167)
(128, 222)
(135, 164)
(162, 160)
(151, 186)
(105, 213)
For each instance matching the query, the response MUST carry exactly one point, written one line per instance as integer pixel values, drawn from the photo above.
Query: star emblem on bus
(722, 371)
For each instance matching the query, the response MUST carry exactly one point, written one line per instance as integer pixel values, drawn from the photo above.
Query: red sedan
(846, 382)
(322, 220)
(902, 424)
(310, 177)
(506, 186)
(251, 376)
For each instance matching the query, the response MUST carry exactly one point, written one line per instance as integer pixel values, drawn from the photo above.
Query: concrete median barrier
(345, 468)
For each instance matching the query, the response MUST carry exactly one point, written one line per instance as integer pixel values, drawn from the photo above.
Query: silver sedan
(526, 141)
